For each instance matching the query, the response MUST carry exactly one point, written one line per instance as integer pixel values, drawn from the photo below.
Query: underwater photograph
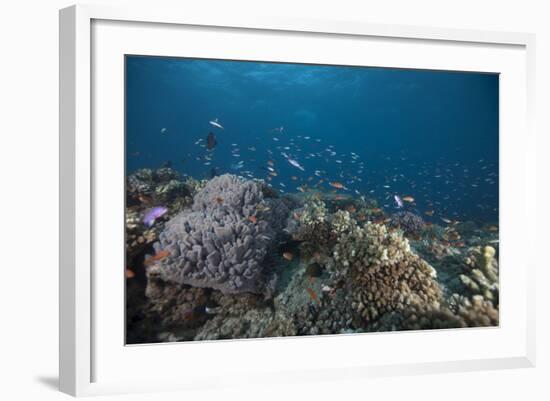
(272, 199)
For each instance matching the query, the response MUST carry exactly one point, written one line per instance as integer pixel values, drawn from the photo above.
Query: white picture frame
(85, 354)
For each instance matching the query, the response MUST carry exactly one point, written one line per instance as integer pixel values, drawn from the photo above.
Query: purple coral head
(407, 221)
(152, 215)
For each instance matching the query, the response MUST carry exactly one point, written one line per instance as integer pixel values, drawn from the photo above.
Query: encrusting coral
(223, 240)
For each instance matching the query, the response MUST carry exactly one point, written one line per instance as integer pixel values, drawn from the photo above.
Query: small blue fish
(215, 123)
(152, 215)
(292, 161)
(237, 166)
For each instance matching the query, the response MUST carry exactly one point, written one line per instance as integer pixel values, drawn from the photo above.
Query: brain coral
(223, 240)
(384, 274)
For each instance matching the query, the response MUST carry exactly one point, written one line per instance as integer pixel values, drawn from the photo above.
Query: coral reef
(244, 316)
(310, 222)
(223, 240)
(383, 274)
(138, 237)
(156, 186)
(238, 260)
(175, 305)
(481, 275)
(460, 312)
(409, 222)
(195, 185)
(147, 188)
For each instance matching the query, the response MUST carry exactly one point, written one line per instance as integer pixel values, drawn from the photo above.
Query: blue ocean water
(379, 132)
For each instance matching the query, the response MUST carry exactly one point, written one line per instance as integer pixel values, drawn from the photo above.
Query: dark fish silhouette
(211, 141)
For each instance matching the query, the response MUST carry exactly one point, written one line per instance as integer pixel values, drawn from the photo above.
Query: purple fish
(153, 214)
(398, 201)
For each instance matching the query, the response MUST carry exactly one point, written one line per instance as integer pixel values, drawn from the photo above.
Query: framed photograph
(278, 199)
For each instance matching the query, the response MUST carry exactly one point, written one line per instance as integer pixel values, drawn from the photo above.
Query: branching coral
(342, 223)
(478, 312)
(481, 275)
(222, 242)
(460, 312)
(310, 222)
(384, 275)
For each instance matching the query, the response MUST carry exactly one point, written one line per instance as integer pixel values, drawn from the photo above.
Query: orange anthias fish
(313, 295)
(337, 185)
(351, 209)
(130, 273)
(408, 199)
(157, 257)
(219, 200)
(288, 256)
(429, 213)
(253, 219)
